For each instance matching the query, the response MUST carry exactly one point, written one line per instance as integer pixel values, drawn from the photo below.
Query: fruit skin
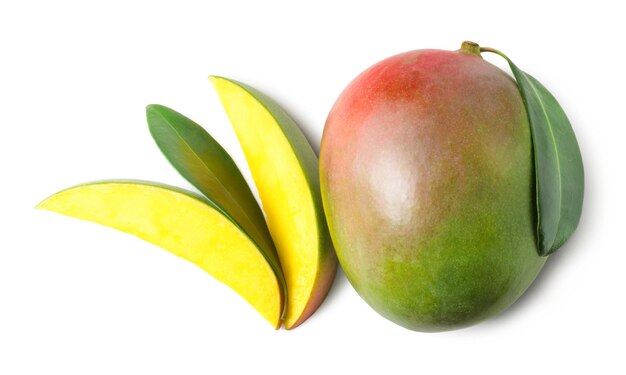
(426, 176)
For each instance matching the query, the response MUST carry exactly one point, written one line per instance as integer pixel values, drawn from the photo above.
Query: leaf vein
(555, 145)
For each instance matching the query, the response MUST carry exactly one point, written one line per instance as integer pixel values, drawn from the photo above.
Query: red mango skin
(427, 182)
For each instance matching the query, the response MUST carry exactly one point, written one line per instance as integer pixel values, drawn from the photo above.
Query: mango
(185, 224)
(285, 170)
(426, 174)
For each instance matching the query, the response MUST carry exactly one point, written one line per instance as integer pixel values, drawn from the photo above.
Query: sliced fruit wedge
(186, 225)
(285, 170)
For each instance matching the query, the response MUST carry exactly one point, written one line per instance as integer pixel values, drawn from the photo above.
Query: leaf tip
(154, 107)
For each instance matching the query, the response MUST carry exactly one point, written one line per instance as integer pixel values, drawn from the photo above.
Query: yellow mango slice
(185, 225)
(285, 170)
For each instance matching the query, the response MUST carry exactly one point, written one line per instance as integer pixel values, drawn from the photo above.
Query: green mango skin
(427, 182)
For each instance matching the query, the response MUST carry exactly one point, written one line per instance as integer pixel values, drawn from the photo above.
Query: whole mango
(426, 171)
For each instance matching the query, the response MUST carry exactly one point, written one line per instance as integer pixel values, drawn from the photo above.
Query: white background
(76, 298)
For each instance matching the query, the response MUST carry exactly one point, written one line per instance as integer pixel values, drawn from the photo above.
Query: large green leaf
(558, 164)
(201, 160)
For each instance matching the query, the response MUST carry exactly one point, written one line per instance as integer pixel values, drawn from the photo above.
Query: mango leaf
(201, 160)
(559, 169)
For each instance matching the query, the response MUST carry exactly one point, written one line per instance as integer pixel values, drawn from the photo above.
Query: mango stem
(470, 48)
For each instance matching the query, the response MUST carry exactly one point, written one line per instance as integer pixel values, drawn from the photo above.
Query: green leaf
(205, 164)
(559, 169)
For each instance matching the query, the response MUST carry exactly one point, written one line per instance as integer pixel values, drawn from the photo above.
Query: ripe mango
(427, 181)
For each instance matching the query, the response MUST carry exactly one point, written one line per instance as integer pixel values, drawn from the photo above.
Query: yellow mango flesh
(285, 195)
(185, 226)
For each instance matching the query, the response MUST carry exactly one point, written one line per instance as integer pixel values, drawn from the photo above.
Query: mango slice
(184, 224)
(285, 170)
